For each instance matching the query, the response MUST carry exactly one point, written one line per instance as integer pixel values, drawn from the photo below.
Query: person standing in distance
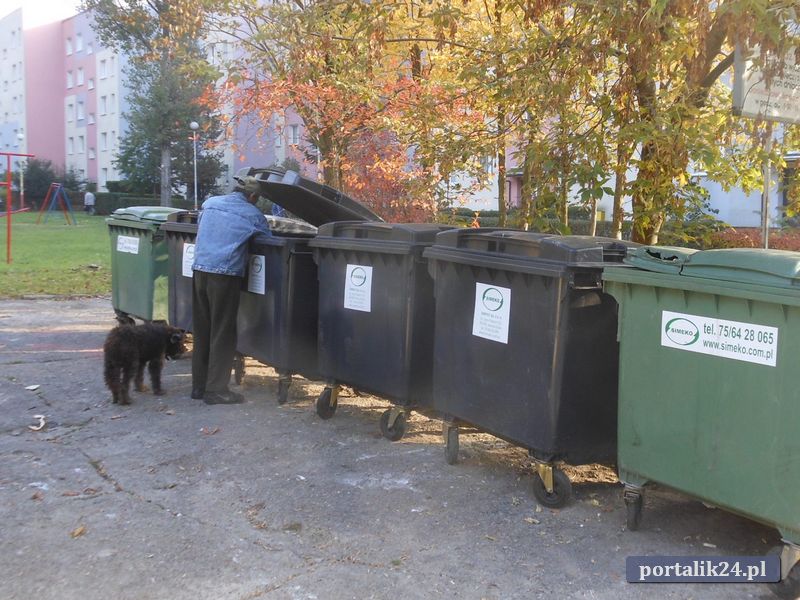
(225, 226)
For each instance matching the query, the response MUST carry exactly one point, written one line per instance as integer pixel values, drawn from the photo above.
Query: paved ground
(172, 499)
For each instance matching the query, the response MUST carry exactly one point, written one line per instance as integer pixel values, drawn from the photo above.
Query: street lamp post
(194, 126)
(21, 137)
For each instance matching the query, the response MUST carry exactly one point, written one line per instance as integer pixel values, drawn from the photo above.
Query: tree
(347, 70)
(168, 75)
(159, 117)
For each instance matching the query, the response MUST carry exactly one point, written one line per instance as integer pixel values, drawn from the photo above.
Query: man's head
(249, 186)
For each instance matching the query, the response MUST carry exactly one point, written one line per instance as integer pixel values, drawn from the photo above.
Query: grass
(55, 258)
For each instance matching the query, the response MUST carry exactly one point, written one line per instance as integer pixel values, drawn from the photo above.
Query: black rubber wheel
(633, 511)
(789, 588)
(451, 445)
(326, 404)
(238, 368)
(561, 494)
(283, 391)
(396, 431)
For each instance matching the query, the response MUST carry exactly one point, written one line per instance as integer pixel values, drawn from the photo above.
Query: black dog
(129, 348)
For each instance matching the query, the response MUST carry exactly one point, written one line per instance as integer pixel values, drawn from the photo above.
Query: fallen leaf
(532, 521)
(115, 417)
(707, 545)
(90, 491)
(594, 502)
(538, 509)
(32, 388)
(208, 431)
(490, 538)
(169, 412)
(515, 501)
(78, 531)
(70, 493)
(37, 496)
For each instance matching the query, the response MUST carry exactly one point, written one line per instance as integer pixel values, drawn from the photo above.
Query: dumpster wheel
(326, 402)
(633, 508)
(238, 368)
(562, 489)
(450, 434)
(397, 430)
(788, 588)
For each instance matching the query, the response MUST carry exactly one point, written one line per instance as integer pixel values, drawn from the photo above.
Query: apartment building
(12, 88)
(62, 95)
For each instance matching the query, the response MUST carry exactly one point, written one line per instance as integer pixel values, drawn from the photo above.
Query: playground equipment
(9, 210)
(57, 195)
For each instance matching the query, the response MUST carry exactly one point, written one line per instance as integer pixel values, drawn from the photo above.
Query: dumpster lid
(775, 268)
(158, 214)
(533, 245)
(307, 199)
(183, 216)
(409, 233)
(661, 259)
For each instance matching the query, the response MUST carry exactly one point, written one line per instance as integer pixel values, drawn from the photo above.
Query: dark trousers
(215, 303)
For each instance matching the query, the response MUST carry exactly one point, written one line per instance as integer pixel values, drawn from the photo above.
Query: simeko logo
(358, 276)
(492, 299)
(682, 331)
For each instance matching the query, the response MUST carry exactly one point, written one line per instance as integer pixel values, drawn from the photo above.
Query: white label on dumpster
(358, 288)
(188, 260)
(727, 339)
(257, 279)
(126, 243)
(492, 310)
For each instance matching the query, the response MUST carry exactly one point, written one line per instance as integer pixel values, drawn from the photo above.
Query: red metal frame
(9, 210)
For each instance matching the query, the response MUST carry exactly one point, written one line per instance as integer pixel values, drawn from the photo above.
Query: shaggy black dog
(129, 348)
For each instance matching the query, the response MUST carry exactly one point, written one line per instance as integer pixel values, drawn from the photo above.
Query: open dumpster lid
(309, 200)
(774, 268)
(158, 214)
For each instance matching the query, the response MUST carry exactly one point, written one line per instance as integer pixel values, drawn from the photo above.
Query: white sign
(188, 260)
(492, 312)
(257, 278)
(128, 244)
(727, 339)
(752, 97)
(358, 288)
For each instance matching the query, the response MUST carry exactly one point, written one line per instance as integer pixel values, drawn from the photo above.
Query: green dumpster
(139, 262)
(709, 382)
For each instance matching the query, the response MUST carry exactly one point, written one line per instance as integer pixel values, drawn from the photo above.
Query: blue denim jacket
(224, 228)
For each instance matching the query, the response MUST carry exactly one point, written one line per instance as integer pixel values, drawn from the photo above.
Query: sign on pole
(773, 98)
(776, 99)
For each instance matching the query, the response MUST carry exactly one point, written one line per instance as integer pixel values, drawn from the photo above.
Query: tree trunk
(501, 183)
(648, 210)
(593, 218)
(620, 171)
(526, 192)
(501, 121)
(166, 172)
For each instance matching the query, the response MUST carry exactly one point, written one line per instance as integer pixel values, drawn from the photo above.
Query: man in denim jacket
(224, 229)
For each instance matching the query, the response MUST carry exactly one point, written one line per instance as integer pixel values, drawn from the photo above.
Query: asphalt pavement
(172, 499)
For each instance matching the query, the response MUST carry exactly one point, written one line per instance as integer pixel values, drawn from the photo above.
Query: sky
(40, 12)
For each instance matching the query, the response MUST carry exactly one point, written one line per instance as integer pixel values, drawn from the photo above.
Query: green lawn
(55, 258)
